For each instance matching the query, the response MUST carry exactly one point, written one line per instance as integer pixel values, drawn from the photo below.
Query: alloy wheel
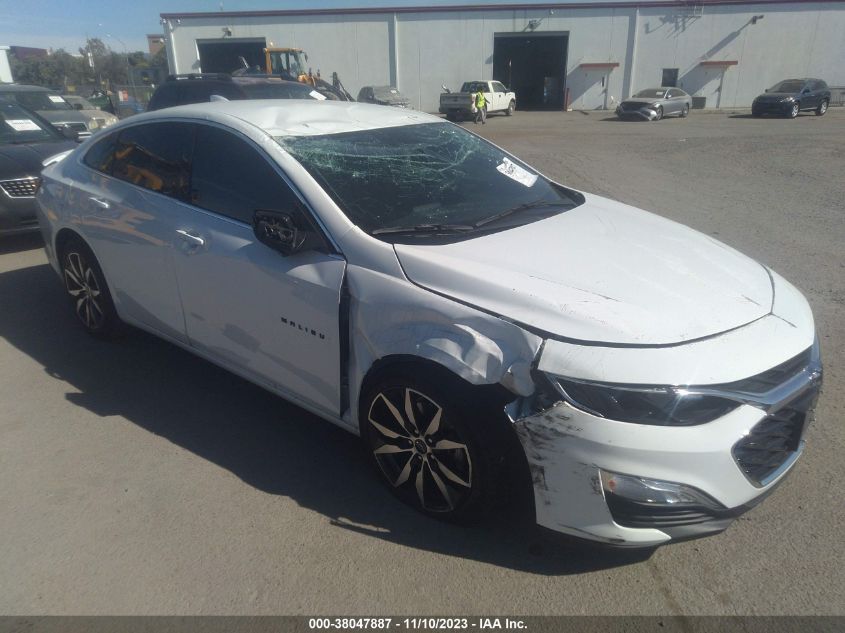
(82, 285)
(418, 450)
(823, 108)
(795, 110)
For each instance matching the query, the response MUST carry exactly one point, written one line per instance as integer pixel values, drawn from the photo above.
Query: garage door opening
(533, 66)
(224, 57)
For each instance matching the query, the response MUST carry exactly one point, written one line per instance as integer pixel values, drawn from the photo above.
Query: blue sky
(66, 23)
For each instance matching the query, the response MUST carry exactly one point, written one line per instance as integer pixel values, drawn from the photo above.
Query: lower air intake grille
(773, 440)
(21, 188)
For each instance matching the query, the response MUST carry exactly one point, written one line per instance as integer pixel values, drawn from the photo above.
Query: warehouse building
(584, 55)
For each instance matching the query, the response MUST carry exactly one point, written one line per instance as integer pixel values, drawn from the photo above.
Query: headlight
(93, 124)
(660, 406)
(789, 98)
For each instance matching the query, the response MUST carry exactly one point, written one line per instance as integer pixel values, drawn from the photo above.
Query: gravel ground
(137, 479)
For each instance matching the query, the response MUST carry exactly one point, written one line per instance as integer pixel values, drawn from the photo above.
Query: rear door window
(239, 185)
(156, 156)
(101, 154)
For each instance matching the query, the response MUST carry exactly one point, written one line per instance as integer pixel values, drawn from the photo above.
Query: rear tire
(685, 112)
(87, 289)
(822, 108)
(434, 444)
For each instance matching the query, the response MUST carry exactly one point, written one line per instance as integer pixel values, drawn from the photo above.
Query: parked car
(458, 105)
(652, 104)
(197, 88)
(383, 95)
(130, 106)
(49, 104)
(25, 141)
(97, 119)
(469, 318)
(102, 100)
(791, 96)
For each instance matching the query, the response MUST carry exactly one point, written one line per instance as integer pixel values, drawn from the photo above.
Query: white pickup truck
(458, 105)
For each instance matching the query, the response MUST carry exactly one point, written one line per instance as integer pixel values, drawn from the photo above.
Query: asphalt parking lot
(138, 479)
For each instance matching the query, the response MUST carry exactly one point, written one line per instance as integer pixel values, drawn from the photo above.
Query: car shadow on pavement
(20, 243)
(265, 441)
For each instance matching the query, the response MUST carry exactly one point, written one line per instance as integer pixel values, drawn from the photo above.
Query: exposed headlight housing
(654, 492)
(655, 405)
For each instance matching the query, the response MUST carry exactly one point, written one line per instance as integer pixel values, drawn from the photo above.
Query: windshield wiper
(522, 207)
(424, 229)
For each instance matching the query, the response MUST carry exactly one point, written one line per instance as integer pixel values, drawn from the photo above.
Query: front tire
(511, 108)
(426, 441)
(822, 108)
(658, 113)
(86, 287)
(796, 108)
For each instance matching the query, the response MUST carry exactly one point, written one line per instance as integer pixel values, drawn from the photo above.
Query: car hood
(26, 159)
(63, 116)
(602, 272)
(775, 96)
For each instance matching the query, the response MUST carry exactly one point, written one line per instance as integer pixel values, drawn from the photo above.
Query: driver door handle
(189, 237)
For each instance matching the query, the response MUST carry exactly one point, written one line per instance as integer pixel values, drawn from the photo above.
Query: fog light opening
(655, 492)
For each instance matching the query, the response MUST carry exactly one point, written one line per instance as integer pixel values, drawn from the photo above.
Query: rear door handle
(99, 202)
(189, 237)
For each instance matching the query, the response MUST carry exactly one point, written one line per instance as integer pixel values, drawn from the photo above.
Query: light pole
(128, 69)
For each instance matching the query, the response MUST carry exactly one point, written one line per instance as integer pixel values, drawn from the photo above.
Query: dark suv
(790, 96)
(198, 88)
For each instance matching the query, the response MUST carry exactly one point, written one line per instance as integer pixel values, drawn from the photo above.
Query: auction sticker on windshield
(56, 99)
(517, 173)
(22, 125)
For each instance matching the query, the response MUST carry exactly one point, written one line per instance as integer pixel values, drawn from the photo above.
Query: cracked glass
(426, 175)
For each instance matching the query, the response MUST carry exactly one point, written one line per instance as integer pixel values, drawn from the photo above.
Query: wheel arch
(63, 236)
(494, 393)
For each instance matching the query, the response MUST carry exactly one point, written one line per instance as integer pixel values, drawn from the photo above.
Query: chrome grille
(22, 187)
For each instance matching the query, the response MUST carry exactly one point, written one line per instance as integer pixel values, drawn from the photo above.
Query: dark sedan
(791, 96)
(383, 95)
(25, 141)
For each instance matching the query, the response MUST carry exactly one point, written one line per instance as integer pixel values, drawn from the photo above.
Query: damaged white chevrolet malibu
(468, 317)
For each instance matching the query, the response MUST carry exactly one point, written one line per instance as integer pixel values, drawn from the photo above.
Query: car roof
(23, 88)
(294, 117)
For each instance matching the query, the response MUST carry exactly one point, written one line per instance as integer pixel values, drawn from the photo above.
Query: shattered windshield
(421, 176)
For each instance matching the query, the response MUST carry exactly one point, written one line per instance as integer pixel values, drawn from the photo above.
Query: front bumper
(644, 113)
(735, 461)
(779, 108)
(17, 213)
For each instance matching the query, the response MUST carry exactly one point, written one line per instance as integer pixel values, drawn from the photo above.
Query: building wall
(419, 52)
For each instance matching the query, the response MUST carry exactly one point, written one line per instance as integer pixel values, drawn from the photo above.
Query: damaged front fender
(391, 317)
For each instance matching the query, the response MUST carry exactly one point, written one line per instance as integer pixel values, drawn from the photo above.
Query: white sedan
(414, 284)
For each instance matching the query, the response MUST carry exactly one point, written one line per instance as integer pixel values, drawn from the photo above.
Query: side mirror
(288, 232)
(69, 133)
(445, 89)
(806, 91)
